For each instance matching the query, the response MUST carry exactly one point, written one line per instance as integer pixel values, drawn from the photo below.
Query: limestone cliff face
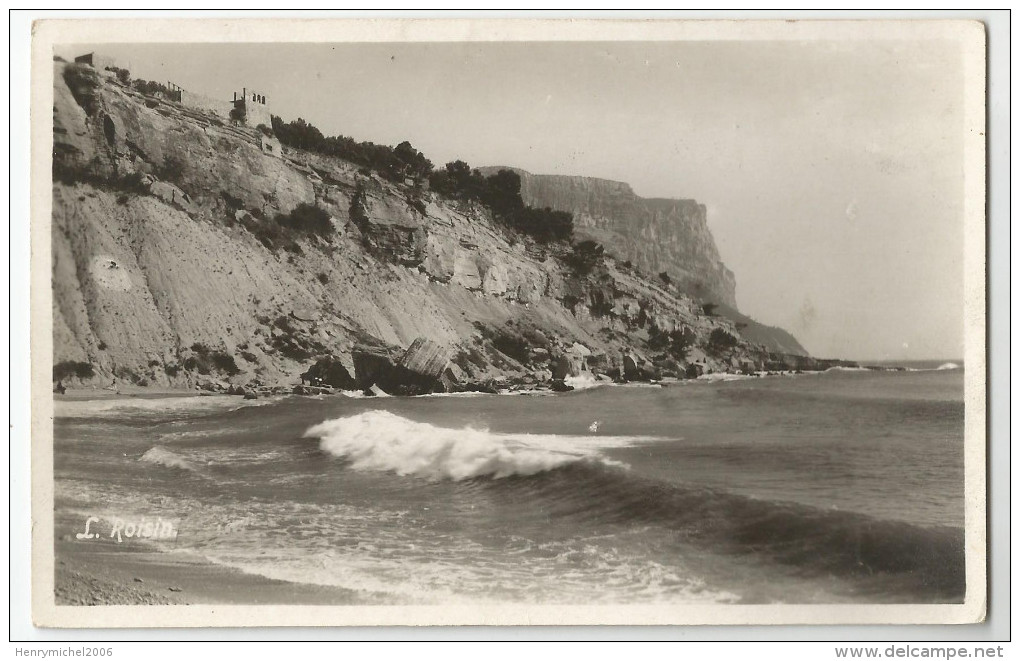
(655, 234)
(171, 267)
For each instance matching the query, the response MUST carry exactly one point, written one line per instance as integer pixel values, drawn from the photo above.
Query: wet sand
(90, 573)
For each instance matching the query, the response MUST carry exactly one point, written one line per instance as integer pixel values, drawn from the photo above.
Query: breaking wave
(382, 441)
(162, 457)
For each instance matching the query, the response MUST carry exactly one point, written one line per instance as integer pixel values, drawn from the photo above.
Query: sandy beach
(97, 573)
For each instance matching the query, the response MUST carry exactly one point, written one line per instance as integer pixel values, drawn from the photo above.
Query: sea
(839, 487)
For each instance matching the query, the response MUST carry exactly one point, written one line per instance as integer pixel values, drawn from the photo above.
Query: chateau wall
(257, 113)
(209, 104)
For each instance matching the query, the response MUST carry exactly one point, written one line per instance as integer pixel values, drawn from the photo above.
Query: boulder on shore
(638, 368)
(425, 358)
(572, 361)
(420, 370)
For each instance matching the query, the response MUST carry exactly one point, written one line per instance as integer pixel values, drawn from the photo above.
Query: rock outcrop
(656, 235)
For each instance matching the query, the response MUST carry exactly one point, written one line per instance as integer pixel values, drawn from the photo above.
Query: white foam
(163, 457)
(425, 568)
(583, 381)
(948, 366)
(383, 441)
(724, 376)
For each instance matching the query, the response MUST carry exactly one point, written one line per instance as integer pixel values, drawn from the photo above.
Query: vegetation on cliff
(499, 192)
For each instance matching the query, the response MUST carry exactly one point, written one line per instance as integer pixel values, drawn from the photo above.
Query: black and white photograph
(509, 323)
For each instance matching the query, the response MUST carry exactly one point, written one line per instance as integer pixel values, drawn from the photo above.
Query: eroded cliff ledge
(657, 235)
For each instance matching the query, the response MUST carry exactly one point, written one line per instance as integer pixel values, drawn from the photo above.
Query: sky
(831, 170)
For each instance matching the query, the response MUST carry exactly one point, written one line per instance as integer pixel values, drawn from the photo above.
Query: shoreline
(98, 573)
(296, 390)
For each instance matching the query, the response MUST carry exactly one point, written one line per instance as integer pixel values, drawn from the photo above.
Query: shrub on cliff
(677, 343)
(456, 180)
(545, 225)
(501, 193)
(394, 163)
(307, 218)
(123, 75)
(584, 257)
(152, 88)
(721, 340)
(204, 361)
(68, 368)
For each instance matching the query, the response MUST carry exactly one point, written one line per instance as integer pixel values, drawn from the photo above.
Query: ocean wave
(724, 376)
(126, 406)
(162, 457)
(383, 441)
(941, 368)
(926, 561)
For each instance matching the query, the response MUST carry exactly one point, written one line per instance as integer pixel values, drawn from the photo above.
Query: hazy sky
(832, 171)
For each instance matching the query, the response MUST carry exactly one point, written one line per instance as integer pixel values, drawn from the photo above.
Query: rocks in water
(487, 386)
(559, 385)
(541, 376)
(250, 394)
(562, 367)
(312, 390)
(375, 391)
(210, 385)
(694, 370)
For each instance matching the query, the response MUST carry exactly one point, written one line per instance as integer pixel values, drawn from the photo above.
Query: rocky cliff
(188, 251)
(656, 235)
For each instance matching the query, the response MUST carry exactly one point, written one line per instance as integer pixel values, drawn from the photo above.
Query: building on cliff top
(251, 106)
(248, 106)
(97, 62)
